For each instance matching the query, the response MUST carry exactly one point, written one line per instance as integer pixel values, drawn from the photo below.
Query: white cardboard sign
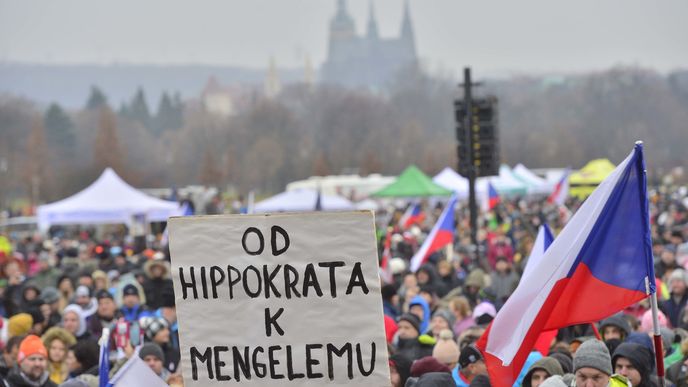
(285, 299)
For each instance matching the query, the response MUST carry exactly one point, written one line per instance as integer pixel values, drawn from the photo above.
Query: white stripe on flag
(511, 324)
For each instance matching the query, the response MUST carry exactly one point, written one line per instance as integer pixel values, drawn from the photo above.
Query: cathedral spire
(406, 25)
(372, 22)
(407, 35)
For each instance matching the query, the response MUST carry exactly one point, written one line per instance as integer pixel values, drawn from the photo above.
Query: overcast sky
(529, 36)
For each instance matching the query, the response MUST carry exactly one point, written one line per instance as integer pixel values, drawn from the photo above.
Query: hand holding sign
(292, 300)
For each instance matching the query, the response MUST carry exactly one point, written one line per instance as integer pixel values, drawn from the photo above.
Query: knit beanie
(446, 350)
(593, 354)
(646, 321)
(427, 364)
(554, 381)
(447, 316)
(411, 319)
(152, 325)
(151, 349)
(50, 295)
(19, 324)
(31, 345)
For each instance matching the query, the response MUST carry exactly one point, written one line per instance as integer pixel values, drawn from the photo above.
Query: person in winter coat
(400, 369)
(541, 370)
(106, 315)
(635, 362)
(615, 327)
(50, 297)
(504, 279)
(82, 358)
(57, 341)
(592, 367)
(131, 309)
(471, 364)
(678, 297)
(463, 315)
(33, 366)
(419, 306)
(74, 322)
(157, 282)
(410, 343)
(152, 355)
(157, 331)
(427, 275)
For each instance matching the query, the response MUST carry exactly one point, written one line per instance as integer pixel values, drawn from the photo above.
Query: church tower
(372, 32)
(342, 32)
(408, 38)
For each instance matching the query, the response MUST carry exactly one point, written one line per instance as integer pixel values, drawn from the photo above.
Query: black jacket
(16, 379)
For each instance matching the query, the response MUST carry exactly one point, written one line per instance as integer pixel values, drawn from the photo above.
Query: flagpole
(104, 361)
(659, 358)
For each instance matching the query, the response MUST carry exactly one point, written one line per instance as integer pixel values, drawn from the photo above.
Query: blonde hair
(461, 305)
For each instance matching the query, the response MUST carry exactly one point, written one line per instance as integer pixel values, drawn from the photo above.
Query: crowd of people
(433, 317)
(59, 293)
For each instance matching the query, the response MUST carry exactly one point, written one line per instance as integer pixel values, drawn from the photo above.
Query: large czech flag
(442, 234)
(600, 263)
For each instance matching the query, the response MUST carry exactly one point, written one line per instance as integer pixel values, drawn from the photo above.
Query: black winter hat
(130, 290)
(411, 319)
(151, 349)
(640, 357)
(469, 355)
(102, 293)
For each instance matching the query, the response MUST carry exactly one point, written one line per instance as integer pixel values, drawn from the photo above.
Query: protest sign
(285, 299)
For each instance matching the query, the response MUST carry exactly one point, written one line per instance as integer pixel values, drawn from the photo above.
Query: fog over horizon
(531, 37)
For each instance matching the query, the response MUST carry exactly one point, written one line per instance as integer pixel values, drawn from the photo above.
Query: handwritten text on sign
(288, 299)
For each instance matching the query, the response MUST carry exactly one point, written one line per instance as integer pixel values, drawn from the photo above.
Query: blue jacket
(425, 324)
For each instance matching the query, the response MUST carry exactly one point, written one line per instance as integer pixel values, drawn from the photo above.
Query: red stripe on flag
(580, 299)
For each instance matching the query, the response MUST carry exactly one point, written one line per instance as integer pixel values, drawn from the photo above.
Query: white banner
(285, 299)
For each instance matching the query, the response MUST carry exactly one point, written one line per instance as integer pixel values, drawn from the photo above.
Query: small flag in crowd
(561, 190)
(442, 234)
(491, 198)
(605, 249)
(385, 270)
(413, 215)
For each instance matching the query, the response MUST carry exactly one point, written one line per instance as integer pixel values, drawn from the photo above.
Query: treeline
(46, 154)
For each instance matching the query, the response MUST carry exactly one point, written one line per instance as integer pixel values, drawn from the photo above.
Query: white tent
(302, 200)
(109, 199)
(536, 184)
(505, 184)
(450, 179)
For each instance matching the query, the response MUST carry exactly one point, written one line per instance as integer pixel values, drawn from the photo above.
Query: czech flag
(600, 263)
(412, 215)
(385, 270)
(491, 198)
(542, 242)
(442, 234)
(561, 190)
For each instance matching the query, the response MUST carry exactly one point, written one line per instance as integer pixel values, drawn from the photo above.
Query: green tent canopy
(412, 183)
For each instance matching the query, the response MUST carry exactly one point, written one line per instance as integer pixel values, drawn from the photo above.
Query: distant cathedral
(368, 60)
